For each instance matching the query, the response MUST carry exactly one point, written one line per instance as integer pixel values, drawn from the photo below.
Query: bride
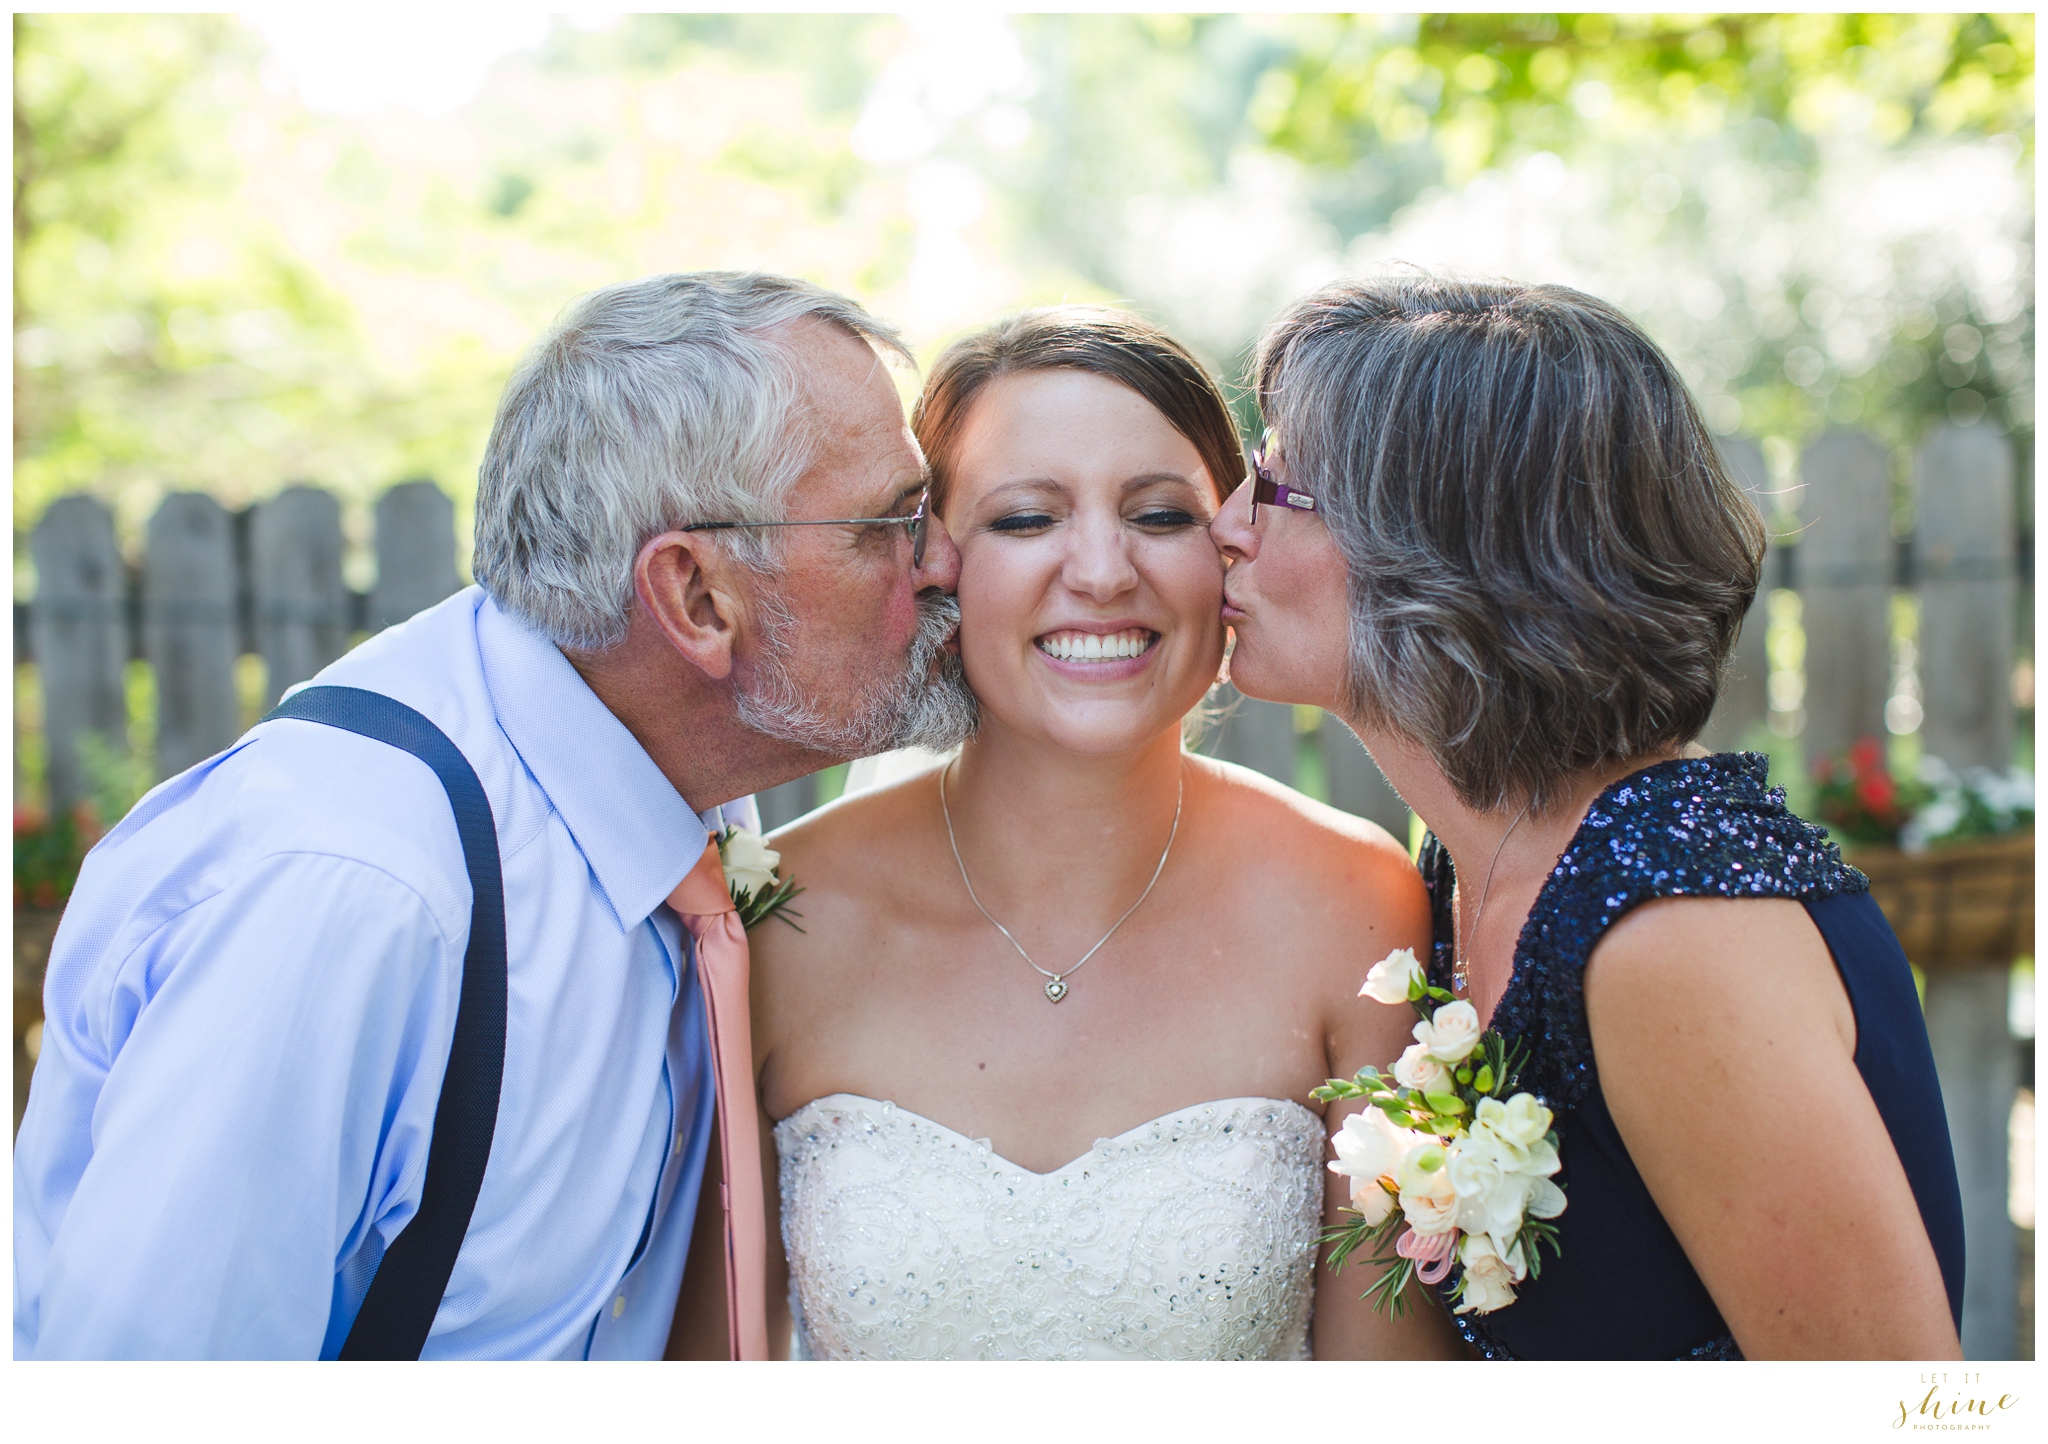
(1041, 1057)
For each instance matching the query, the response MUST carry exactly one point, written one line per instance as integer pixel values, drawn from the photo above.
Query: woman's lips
(1074, 646)
(1098, 655)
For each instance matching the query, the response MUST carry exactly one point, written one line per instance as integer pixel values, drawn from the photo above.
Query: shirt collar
(632, 826)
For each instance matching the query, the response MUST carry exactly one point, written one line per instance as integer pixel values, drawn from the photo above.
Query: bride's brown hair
(1117, 345)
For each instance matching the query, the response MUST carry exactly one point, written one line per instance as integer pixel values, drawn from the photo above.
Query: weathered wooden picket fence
(211, 585)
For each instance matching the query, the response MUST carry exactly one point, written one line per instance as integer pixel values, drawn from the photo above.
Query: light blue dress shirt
(249, 1008)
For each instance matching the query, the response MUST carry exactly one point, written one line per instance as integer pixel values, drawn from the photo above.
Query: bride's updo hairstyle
(1115, 344)
(1547, 564)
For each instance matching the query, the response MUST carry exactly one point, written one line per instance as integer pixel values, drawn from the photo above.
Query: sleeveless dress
(1192, 1236)
(1706, 827)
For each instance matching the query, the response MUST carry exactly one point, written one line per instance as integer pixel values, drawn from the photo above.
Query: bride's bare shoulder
(1331, 894)
(1256, 800)
(1303, 843)
(857, 851)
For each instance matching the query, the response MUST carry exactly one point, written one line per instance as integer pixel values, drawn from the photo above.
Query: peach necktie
(705, 906)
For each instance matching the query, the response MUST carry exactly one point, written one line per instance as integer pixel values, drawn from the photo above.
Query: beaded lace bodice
(1192, 1236)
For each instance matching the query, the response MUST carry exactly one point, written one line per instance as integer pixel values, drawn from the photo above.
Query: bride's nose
(1098, 563)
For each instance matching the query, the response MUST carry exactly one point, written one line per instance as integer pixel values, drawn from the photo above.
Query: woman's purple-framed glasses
(1272, 493)
(918, 524)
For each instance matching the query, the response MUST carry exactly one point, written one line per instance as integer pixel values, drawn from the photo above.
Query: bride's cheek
(993, 626)
(1197, 586)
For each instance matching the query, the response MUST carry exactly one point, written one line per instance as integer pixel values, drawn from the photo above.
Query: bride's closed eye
(1157, 519)
(1166, 518)
(1022, 522)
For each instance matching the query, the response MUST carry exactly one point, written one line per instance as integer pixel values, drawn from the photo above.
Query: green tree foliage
(1720, 176)
(167, 328)
(1479, 89)
(1365, 102)
(217, 287)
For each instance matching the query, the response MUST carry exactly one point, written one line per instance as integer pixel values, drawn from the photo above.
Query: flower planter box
(1955, 906)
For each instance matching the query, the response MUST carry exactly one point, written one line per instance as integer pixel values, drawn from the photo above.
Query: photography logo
(1954, 1403)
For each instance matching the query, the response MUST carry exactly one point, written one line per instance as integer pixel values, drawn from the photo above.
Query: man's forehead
(820, 343)
(862, 469)
(845, 381)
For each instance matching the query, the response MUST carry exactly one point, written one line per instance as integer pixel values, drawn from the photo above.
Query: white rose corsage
(758, 890)
(1448, 1166)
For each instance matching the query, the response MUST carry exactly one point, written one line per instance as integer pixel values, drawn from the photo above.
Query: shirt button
(619, 1307)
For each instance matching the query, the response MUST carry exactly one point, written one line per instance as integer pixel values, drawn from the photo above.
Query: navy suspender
(406, 1293)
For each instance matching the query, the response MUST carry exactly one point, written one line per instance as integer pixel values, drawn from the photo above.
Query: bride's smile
(1066, 992)
(1091, 592)
(1092, 650)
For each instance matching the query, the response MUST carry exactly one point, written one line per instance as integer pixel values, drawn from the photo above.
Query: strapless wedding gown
(1192, 1236)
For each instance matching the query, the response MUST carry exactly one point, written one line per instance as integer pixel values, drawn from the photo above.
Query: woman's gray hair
(1548, 565)
(647, 405)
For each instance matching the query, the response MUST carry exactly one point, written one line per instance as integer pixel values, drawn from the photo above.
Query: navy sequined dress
(1706, 827)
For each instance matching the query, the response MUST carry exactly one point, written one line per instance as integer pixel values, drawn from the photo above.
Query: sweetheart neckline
(1070, 1163)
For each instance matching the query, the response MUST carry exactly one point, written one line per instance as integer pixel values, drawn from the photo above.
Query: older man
(703, 569)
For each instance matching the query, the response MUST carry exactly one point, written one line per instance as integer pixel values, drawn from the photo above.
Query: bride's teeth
(1094, 647)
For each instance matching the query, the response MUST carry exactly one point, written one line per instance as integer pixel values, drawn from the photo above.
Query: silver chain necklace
(1461, 967)
(1056, 984)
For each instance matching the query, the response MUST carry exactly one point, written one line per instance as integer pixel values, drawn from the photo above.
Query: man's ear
(686, 585)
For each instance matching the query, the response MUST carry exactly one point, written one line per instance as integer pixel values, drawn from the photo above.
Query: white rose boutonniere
(748, 860)
(758, 890)
(1467, 1159)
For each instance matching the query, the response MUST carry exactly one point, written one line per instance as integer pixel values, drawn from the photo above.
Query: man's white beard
(928, 706)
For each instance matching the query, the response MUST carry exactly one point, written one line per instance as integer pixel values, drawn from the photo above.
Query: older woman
(1492, 534)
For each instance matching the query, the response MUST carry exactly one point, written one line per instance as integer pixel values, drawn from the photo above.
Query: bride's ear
(688, 587)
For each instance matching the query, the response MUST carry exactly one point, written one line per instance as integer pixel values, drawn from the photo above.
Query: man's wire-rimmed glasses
(1272, 493)
(918, 524)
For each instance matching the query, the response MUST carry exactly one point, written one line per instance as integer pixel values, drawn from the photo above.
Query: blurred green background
(252, 252)
(310, 246)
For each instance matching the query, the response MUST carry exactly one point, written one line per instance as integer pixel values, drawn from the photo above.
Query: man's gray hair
(648, 405)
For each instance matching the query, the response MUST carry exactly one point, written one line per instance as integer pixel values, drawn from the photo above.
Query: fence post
(80, 634)
(1845, 580)
(1964, 562)
(1254, 734)
(301, 605)
(1745, 698)
(189, 628)
(1963, 479)
(787, 802)
(415, 552)
(1356, 783)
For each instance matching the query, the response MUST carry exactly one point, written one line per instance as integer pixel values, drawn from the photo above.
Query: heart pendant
(1055, 990)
